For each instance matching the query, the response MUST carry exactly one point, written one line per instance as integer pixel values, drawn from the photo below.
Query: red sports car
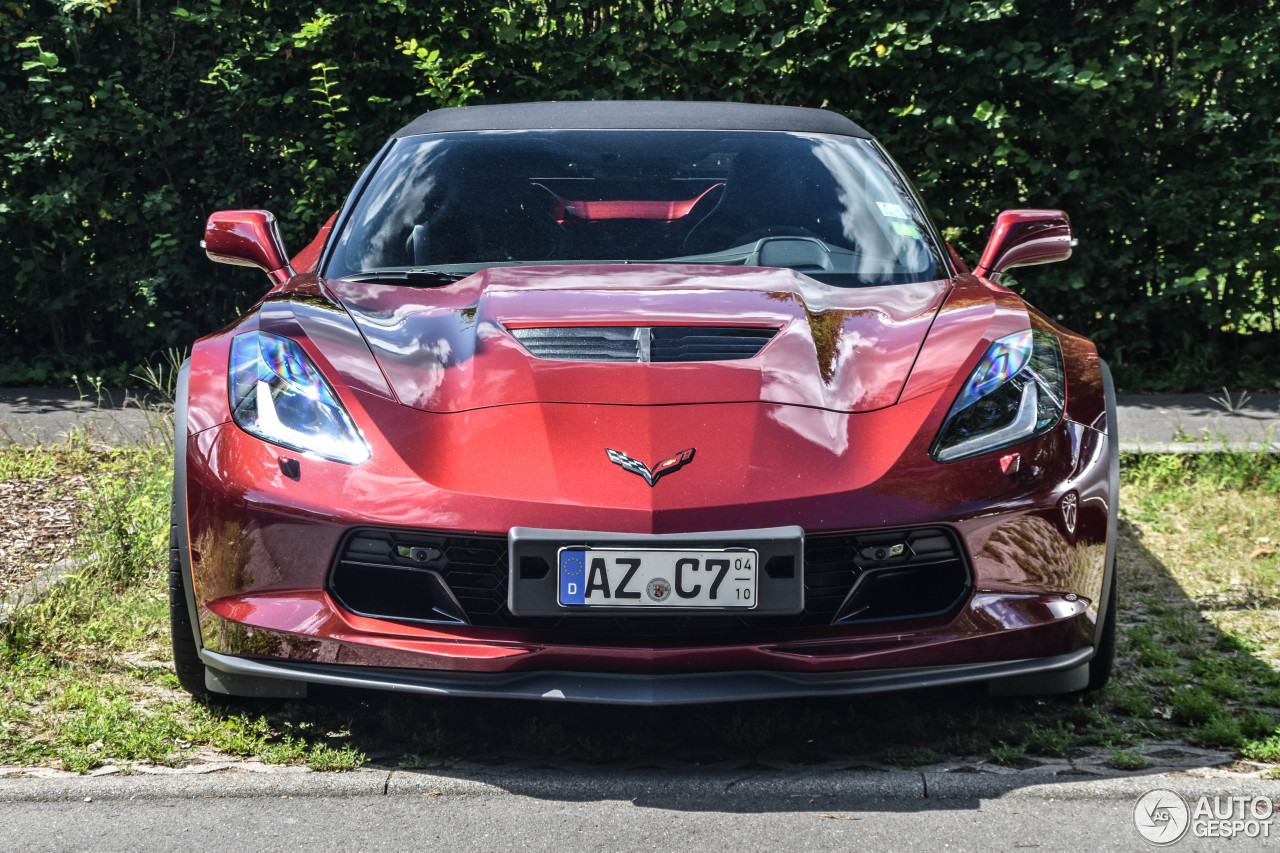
(641, 403)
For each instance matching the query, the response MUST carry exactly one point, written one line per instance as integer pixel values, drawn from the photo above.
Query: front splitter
(248, 676)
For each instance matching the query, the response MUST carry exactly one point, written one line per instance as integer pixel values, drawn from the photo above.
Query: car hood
(452, 348)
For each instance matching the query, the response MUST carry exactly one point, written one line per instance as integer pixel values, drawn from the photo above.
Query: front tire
(186, 652)
(1104, 655)
(186, 657)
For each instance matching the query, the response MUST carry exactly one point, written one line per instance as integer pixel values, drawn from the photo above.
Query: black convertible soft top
(633, 115)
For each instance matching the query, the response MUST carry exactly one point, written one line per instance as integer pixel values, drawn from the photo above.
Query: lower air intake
(849, 578)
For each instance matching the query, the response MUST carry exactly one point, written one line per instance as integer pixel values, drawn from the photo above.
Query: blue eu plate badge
(573, 577)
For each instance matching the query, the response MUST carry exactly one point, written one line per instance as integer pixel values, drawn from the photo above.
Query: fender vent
(644, 343)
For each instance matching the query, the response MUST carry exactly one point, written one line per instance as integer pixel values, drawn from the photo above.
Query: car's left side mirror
(249, 238)
(1023, 238)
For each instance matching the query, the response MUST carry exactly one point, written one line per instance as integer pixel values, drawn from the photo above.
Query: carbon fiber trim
(619, 689)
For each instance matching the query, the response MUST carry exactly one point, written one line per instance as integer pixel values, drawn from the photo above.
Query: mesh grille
(596, 343)
(849, 577)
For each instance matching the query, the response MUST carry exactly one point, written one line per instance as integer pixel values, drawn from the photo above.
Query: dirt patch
(39, 519)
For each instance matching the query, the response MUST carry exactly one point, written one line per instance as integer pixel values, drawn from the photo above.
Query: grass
(84, 675)
(1122, 760)
(913, 756)
(1205, 631)
(1008, 753)
(85, 678)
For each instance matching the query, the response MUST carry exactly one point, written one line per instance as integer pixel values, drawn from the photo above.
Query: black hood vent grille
(644, 343)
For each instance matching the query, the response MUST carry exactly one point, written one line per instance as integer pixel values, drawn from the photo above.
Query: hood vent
(644, 343)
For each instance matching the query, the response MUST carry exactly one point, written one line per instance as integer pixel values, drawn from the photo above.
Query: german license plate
(617, 577)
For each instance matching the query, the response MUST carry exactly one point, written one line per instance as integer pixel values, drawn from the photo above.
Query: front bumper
(262, 548)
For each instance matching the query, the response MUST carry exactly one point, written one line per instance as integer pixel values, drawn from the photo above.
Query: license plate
(618, 577)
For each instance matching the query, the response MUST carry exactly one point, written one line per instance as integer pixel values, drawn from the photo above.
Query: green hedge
(1153, 123)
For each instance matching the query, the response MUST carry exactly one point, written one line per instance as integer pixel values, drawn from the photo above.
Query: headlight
(1015, 393)
(278, 395)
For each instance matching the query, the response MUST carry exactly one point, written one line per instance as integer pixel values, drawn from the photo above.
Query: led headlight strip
(278, 395)
(1015, 393)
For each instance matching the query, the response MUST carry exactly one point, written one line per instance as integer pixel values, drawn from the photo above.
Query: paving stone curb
(1164, 758)
(640, 787)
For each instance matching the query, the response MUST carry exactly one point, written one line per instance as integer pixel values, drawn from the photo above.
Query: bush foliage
(1153, 122)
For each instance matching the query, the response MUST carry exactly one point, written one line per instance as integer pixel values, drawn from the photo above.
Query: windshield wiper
(423, 276)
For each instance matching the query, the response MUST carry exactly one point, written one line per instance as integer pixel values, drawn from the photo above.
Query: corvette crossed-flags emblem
(650, 475)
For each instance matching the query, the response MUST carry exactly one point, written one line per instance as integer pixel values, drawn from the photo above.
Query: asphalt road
(509, 822)
(1153, 423)
(1189, 423)
(48, 415)
(607, 810)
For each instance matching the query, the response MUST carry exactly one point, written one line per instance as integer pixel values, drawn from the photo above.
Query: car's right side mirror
(1022, 238)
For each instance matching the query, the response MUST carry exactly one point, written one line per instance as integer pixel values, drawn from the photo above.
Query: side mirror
(1023, 238)
(248, 238)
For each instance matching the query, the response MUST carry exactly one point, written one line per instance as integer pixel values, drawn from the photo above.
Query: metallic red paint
(306, 260)
(1023, 238)
(972, 316)
(447, 349)
(247, 238)
(308, 310)
(1086, 398)
(828, 428)
(309, 628)
(262, 544)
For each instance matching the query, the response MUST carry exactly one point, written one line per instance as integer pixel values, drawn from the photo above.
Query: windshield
(454, 203)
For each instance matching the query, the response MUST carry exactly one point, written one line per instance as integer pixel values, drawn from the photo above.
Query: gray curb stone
(983, 786)
(357, 783)
(652, 784)
(634, 786)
